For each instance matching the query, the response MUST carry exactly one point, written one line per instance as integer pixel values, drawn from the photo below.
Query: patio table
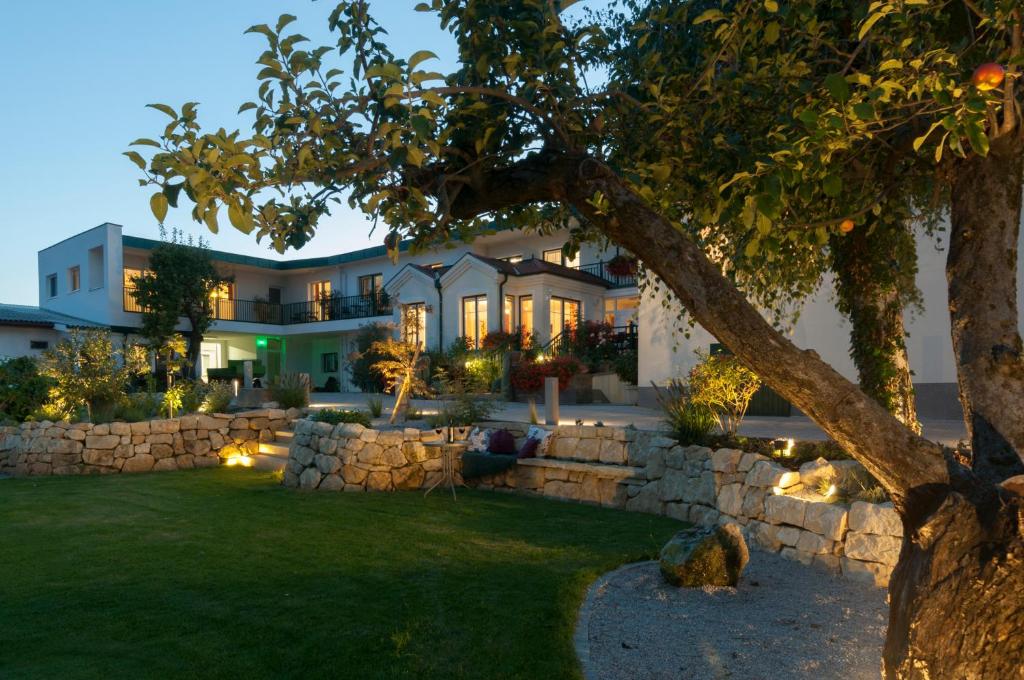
(450, 452)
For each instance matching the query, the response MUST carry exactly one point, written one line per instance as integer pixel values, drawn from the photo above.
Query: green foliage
(458, 405)
(137, 407)
(335, 416)
(360, 363)
(399, 363)
(179, 281)
(290, 390)
(22, 389)
(724, 386)
(627, 367)
(88, 372)
(689, 423)
(217, 398)
(173, 398)
(376, 405)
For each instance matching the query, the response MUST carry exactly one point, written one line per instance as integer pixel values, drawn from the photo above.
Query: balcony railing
(600, 270)
(308, 311)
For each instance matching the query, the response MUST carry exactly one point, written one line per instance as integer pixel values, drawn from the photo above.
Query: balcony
(308, 311)
(600, 270)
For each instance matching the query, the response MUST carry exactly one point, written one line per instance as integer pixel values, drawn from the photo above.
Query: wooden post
(551, 401)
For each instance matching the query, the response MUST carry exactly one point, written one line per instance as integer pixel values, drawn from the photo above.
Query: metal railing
(307, 311)
(619, 339)
(600, 270)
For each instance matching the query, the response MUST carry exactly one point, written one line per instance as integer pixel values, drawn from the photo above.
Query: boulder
(872, 518)
(826, 519)
(705, 557)
(140, 462)
(873, 548)
(784, 510)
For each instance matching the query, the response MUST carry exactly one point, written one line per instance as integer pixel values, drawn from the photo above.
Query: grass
(222, 573)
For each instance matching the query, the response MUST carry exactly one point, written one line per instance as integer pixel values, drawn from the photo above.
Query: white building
(301, 315)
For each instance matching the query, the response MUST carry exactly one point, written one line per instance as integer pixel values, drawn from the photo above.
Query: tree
(401, 366)
(180, 282)
(22, 389)
(514, 134)
(88, 372)
(725, 387)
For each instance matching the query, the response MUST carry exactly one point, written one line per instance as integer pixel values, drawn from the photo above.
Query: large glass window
(556, 257)
(621, 311)
(131, 275)
(414, 324)
(474, 320)
(565, 315)
(223, 300)
(508, 314)
(371, 284)
(526, 316)
(320, 295)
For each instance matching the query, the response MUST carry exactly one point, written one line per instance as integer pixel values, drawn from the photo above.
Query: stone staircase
(273, 455)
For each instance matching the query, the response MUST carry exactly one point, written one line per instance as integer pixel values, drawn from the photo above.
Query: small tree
(89, 372)
(22, 388)
(401, 366)
(180, 282)
(725, 386)
(361, 361)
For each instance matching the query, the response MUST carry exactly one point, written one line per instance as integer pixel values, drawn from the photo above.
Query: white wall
(92, 304)
(16, 341)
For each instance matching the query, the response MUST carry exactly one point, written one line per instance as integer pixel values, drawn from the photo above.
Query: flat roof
(27, 315)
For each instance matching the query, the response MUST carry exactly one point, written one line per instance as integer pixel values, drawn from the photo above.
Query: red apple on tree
(846, 226)
(988, 76)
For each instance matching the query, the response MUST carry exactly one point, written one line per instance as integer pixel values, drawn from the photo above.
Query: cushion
(478, 439)
(544, 436)
(529, 448)
(502, 443)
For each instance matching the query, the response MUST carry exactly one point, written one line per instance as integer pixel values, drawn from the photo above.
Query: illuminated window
(414, 324)
(320, 299)
(526, 316)
(131, 275)
(513, 259)
(222, 299)
(508, 314)
(371, 284)
(556, 257)
(565, 315)
(621, 311)
(474, 320)
(74, 278)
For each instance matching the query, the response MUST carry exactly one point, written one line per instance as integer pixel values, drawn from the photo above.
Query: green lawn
(222, 573)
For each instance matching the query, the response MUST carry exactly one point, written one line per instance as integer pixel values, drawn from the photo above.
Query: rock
(647, 499)
(327, 464)
(764, 535)
(303, 454)
(826, 519)
(813, 543)
(872, 518)
(408, 478)
(309, 479)
(120, 429)
(725, 460)
(765, 473)
(812, 472)
(103, 441)
(164, 426)
(98, 457)
(164, 465)
(873, 548)
(378, 480)
(747, 461)
(703, 516)
(332, 483)
(730, 499)
(705, 557)
(867, 572)
(655, 467)
(140, 462)
(784, 510)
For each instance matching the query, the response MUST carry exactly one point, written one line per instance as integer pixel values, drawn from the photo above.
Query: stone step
(284, 435)
(277, 449)
(597, 469)
(262, 461)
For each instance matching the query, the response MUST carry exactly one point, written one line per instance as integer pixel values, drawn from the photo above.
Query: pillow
(478, 439)
(502, 443)
(529, 448)
(542, 435)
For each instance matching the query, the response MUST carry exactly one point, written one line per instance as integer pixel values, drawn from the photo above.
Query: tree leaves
(158, 205)
(838, 87)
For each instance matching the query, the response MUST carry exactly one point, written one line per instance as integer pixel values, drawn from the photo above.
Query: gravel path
(786, 620)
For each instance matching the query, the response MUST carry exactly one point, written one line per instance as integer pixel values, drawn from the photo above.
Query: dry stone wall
(350, 457)
(47, 448)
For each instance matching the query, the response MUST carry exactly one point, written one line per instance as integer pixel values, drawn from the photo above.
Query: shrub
(501, 341)
(627, 367)
(173, 398)
(593, 342)
(725, 386)
(360, 362)
(483, 372)
(689, 423)
(218, 398)
(528, 376)
(335, 416)
(22, 389)
(462, 410)
(376, 405)
(136, 407)
(290, 390)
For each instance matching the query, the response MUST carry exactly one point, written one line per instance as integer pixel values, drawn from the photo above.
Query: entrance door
(565, 314)
(275, 354)
(209, 357)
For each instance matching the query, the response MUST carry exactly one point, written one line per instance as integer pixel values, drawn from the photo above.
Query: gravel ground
(785, 620)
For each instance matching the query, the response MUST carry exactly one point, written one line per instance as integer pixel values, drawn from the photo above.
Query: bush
(376, 405)
(627, 367)
(290, 390)
(528, 376)
(22, 389)
(725, 386)
(688, 422)
(218, 398)
(462, 410)
(137, 407)
(335, 416)
(361, 362)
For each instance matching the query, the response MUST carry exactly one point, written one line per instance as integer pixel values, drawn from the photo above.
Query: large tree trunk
(192, 369)
(875, 267)
(981, 269)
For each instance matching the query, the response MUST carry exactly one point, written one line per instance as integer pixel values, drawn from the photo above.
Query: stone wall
(351, 457)
(47, 448)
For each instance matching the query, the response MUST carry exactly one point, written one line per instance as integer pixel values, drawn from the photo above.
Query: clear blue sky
(77, 76)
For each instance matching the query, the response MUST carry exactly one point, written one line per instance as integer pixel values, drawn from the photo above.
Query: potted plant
(622, 265)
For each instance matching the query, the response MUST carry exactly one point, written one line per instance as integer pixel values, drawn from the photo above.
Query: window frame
(476, 340)
(376, 284)
(420, 334)
(51, 286)
(523, 330)
(74, 278)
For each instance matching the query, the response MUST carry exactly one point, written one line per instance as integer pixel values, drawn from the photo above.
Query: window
(320, 297)
(371, 284)
(74, 278)
(414, 324)
(526, 316)
(38, 344)
(130, 277)
(555, 257)
(274, 296)
(508, 314)
(514, 259)
(621, 311)
(51, 285)
(96, 270)
(223, 300)
(329, 362)
(565, 314)
(474, 320)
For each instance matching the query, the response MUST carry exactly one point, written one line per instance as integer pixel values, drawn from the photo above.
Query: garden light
(783, 447)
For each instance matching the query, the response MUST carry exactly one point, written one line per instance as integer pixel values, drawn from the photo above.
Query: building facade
(302, 315)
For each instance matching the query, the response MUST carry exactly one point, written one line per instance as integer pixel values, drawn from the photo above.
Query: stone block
(120, 429)
(369, 435)
(378, 480)
(327, 464)
(647, 499)
(865, 572)
(162, 438)
(725, 460)
(826, 519)
(124, 451)
(767, 474)
(589, 449)
(159, 451)
(560, 489)
(753, 502)
(701, 490)
(564, 447)
(763, 535)
(673, 485)
(168, 426)
(730, 499)
(332, 483)
(788, 535)
(98, 457)
(303, 455)
(797, 555)
(100, 430)
(353, 475)
(815, 544)
(105, 441)
(140, 462)
(75, 435)
(703, 515)
(165, 464)
(873, 548)
(141, 427)
(185, 461)
(309, 479)
(875, 518)
(784, 509)
(747, 461)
